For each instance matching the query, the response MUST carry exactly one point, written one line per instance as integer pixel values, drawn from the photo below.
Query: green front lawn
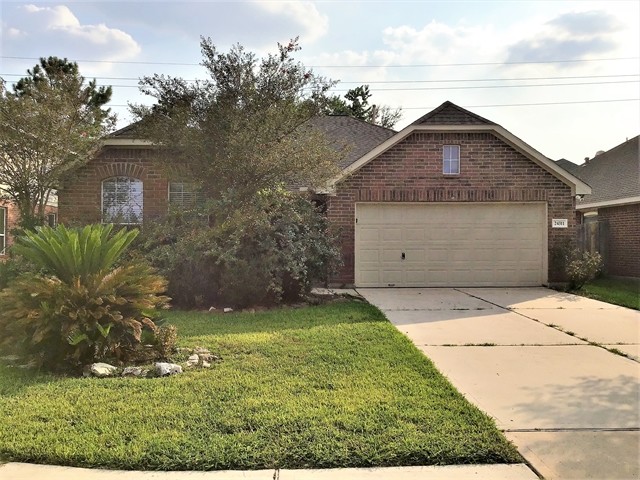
(329, 386)
(625, 292)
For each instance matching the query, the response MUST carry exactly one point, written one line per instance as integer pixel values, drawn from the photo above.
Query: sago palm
(82, 309)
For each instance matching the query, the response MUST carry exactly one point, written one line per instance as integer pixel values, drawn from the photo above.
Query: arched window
(122, 200)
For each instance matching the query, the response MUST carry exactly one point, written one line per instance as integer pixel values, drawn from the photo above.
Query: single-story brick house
(9, 218)
(452, 199)
(614, 177)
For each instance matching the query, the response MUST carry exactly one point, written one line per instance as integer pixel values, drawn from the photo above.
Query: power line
(534, 104)
(508, 104)
(402, 81)
(495, 86)
(475, 87)
(356, 66)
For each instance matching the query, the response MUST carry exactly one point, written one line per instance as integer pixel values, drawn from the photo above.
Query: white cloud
(43, 31)
(305, 14)
(573, 35)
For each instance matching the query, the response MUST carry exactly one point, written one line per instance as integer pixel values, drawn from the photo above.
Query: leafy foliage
(242, 130)
(70, 254)
(50, 124)
(582, 267)
(356, 104)
(264, 252)
(81, 309)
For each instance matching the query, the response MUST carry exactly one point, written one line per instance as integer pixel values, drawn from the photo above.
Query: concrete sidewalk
(23, 471)
(571, 407)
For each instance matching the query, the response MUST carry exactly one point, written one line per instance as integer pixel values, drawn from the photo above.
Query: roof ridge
(449, 104)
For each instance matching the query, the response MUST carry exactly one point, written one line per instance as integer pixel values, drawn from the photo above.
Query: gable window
(122, 200)
(183, 195)
(3, 229)
(451, 159)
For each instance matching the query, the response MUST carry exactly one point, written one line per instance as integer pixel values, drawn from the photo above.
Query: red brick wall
(12, 220)
(79, 200)
(490, 171)
(623, 239)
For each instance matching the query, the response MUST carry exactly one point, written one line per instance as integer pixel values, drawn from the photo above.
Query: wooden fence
(593, 237)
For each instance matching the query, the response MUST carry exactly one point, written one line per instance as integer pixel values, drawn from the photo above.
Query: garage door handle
(403, 255)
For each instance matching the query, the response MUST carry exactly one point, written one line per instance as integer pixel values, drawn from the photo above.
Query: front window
(451, 159)
(3, 229)
(122, 200)
(183, 195)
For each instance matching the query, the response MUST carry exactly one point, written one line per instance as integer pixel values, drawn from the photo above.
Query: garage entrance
(447, 245)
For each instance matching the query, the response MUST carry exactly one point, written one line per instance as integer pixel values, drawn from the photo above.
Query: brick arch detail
(121, 169)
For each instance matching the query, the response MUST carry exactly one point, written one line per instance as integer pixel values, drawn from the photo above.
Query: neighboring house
(9, 218)
(451, 200)
(614, 177)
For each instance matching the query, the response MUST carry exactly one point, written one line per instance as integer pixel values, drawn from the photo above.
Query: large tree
(51, 123)
(242, 130)
(356, 104)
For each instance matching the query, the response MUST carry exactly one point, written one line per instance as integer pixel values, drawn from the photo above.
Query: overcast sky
(577, 62)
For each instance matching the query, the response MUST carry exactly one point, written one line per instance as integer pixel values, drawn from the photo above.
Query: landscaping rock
(135, 372)
(101, 370)
(205, 364)
(208, 357)
(200, 350)
(165, 369)
(212, 309)
(193, 360)
(11, 358)
(228, 310)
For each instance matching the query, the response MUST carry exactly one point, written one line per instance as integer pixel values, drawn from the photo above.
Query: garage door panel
(369, 234)
(392, 278)
(392, 256)
(450, 244)
(369, 255)
(392, 234)
(413, 234)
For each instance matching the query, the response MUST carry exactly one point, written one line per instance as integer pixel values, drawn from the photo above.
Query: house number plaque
(559, 223)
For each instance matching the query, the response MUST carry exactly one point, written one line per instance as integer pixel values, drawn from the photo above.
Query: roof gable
(451, 114)
(469, 122)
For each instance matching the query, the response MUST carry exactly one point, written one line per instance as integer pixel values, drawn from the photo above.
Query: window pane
(122, 200)
(183, 194)
(3, 224)
(451, 159)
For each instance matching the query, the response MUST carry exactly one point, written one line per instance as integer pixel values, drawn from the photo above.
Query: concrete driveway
(526, 357)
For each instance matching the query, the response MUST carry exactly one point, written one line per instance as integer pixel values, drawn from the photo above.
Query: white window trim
(3, 233)
(444, 159)
(192, 191)
(55, 219)
(102, 219)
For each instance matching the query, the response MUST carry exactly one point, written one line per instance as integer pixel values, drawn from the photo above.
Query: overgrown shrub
(81, 309)
(12, 267)
(582, 267)
(267, 251)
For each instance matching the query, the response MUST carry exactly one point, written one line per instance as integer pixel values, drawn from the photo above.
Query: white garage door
(446, 245)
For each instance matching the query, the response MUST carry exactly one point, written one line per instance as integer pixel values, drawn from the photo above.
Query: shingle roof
(357, 136)
(613, 175)
(451, 114)
(130, 131)
(568, 165)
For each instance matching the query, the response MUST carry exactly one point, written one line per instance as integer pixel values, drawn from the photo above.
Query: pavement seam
(555, 327)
